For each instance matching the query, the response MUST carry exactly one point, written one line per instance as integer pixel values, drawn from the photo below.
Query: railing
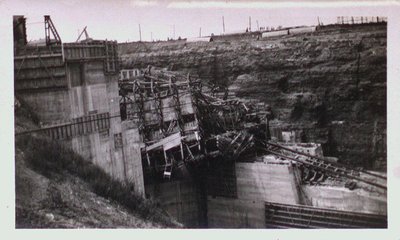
(79, 126)
(360, 20)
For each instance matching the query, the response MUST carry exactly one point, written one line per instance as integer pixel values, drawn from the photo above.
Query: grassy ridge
(53, 160)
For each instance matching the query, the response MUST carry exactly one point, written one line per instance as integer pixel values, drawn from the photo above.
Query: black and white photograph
(200, 114)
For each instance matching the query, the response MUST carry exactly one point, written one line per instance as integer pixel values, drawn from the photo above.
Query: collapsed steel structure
(183, 120)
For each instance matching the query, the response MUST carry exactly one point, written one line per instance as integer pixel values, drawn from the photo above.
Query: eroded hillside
(330, 84)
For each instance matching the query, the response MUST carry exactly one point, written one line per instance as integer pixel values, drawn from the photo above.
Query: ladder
(314, 162)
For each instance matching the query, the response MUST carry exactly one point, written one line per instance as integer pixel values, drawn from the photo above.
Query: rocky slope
(330, 84)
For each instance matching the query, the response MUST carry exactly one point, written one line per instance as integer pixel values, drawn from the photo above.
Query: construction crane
(49, 27)
(86, 35)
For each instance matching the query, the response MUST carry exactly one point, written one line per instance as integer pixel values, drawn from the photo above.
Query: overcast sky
(119, 19)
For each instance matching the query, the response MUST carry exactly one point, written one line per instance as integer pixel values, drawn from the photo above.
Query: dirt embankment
(331, 84)
(56, 188)
(67, 202)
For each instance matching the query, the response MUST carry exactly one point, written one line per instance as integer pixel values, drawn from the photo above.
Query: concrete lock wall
(256, 183)
(79, 92)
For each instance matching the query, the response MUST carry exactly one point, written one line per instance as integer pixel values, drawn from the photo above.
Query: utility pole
(223, 25)
(249, 24)
(140, 33)
(151, 36)
(258, 28)
(319, 24)
(174, 31)
(200, 32)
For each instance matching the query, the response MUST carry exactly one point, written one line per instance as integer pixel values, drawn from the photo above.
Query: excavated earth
(329, 84)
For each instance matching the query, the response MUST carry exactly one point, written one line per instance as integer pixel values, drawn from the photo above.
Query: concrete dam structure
(206, 156)
(73, 88)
